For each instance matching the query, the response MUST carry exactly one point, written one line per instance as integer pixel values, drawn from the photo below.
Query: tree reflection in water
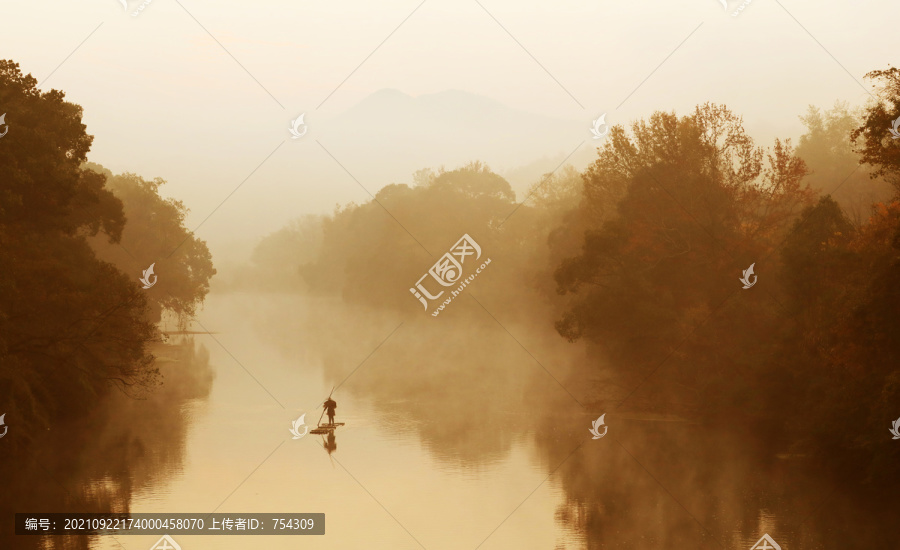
(95, 463)
(653, 482)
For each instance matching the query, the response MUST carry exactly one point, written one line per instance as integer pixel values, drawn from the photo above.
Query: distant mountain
(389, 134)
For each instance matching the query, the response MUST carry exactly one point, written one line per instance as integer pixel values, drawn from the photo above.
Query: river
(383, 487)
(455, 437)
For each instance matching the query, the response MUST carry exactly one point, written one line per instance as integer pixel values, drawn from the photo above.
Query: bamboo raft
(325, 428)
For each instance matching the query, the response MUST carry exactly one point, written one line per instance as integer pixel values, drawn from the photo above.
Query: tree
(690, 194)
(834, 166)
(844, 345)
(374, 252)
(876, 144)
(681, 206)
(155, 234)
(69, 322)
(815, 256)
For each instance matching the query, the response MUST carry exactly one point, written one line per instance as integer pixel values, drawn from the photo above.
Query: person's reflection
(331, 444)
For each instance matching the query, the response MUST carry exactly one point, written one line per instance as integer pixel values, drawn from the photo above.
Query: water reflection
(469, 392)
(453, 436)
(676, 485)
(330, 444)
(96, 463)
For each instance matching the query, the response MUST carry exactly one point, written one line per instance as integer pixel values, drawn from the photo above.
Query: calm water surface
(381, 487)
(454, 438)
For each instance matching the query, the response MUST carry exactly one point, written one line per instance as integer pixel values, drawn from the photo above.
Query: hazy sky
(163, 97)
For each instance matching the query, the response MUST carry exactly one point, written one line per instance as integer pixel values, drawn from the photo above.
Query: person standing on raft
(330, 405)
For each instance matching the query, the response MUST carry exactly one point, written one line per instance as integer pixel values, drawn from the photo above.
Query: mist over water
(436, 416)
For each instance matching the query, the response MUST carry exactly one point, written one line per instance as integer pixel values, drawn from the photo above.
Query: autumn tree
(682, 206)
(877, 145)
(843, 344)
